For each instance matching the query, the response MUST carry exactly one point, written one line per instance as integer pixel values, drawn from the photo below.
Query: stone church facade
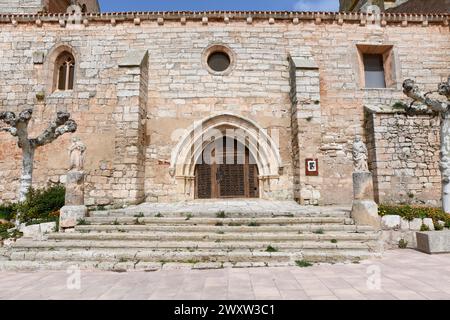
(287, 92)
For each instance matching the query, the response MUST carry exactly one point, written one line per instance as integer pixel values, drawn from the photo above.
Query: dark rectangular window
(374, 71)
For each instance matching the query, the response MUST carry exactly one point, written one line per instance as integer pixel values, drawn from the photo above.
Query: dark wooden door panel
(232, 180)
(204, 181)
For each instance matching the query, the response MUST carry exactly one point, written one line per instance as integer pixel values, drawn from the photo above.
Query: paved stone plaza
(405, 274)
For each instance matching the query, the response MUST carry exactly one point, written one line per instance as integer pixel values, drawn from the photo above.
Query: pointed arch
(261, 146)
(61, 67)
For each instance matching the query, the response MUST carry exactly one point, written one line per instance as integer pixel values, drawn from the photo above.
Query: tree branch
(412, 90)
(444, 88)
(8, 118)
(11, 130)
(58, 127)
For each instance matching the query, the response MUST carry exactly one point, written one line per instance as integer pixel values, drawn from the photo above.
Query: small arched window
(65, 71)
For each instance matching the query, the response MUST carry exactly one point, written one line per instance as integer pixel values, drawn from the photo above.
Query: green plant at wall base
(303, 263)
(424, 227)
(7, 211)
(438, 226)
(4, 234)
(402, 244)
(411, 212)
(41, 205)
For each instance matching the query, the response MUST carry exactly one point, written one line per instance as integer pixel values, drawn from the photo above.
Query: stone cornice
(393, 110)
(231, 16)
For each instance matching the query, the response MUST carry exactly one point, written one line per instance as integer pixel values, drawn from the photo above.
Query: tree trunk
(445, 161)
(27, 171)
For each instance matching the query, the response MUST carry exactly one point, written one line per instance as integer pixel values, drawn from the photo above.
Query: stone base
(69, 216)
(365, 212)
(433, 241)
(362, 186)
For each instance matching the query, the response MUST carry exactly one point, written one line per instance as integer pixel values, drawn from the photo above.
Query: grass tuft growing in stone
(318, 231)
(333, 241)
(303, 263)
(271, 249)
(221, 215)
(188, 217)
(159, 215)
(253, 224)
(402, 244)
(219, 224)
(139, 215)
(82, 222)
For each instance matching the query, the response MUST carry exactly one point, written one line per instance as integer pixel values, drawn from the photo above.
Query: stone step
(162, 256)
(225, 229)
(123, 255)
(162, 236)
(32, 266)
(214, 221)
(25, 244)
(123, 266)
(150, 210)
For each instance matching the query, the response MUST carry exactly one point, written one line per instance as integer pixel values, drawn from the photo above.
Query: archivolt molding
(262, 147)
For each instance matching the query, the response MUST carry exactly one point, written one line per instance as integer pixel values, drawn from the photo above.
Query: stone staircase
(139, 239)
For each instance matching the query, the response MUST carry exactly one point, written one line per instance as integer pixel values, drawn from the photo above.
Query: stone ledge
(304, 63)
(133, 58)
(391, 110)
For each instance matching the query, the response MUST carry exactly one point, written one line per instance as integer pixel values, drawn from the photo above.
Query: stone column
(306, 120)
(130, 116)
(74, 208)
(364, 208)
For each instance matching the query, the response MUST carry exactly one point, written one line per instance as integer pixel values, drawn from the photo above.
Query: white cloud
(316, 5)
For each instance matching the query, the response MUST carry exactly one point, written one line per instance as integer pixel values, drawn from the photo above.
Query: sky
(228, 5)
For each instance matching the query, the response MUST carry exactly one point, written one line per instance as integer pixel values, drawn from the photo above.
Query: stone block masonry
(127, 115)
(404, 156)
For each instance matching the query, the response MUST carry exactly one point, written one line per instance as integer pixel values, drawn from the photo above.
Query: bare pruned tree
(17, 126)
(443, 108)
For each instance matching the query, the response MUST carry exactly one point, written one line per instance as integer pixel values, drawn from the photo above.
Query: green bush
(410, 212)
(42, 205)
(4, 234)
(7, 211)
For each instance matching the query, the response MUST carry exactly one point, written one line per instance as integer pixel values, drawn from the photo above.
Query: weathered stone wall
(404, 156)
(180, 90)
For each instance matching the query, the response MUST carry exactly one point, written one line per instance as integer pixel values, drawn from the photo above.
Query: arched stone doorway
(226, 169)
(259, 146)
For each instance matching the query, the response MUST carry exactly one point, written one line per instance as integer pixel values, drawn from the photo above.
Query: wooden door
(227, 180)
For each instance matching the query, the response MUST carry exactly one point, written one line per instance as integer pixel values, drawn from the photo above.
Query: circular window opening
(219, 61)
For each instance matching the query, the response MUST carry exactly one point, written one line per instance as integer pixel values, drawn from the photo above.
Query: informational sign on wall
(312, 167)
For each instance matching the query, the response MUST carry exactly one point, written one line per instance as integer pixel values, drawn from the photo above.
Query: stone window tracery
(65, 72)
